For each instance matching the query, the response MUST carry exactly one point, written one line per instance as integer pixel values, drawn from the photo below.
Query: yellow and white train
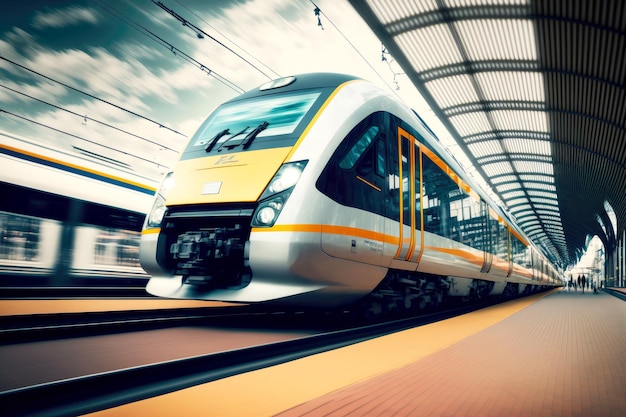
(322, 190)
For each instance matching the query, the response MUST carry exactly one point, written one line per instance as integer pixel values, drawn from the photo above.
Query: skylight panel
(391, 10)
(539, 186)
(451, 91)
(525, 176)
(533, 228)
(507, 187)
(516, 202)
(552, 207)
(545, 212)
(527, 146)
(497, 168)
(471, 123)
(416, 45)
(552, 226)
(551, 201)
(501, 39)
(511, 86)
(532, 121)
(504, 178)
(485, 148)
(524, 213)
(551, 222)
(535, 193)
(513, 194)
(532, 223)
(537, 234)
(536, 167)
(467, 3)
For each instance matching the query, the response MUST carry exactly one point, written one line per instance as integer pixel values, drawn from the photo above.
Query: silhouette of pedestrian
(584, 281)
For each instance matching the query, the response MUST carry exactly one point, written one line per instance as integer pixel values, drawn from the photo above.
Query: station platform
(559, 353)
(9, 308)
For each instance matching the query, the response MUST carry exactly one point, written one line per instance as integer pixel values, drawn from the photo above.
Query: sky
(127, 82)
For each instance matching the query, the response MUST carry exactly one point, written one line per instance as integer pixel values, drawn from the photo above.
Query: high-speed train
(323, 190)
(67, 219)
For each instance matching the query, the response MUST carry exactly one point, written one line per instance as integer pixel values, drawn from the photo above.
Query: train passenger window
(440, 194)
(355, 174)
(470, 220)
(359, 148)
(380, 158)
(520, 253)
(19, 237)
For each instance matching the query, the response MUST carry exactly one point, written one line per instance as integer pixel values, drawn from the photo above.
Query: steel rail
(105, 390)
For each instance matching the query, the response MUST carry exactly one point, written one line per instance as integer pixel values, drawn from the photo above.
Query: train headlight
(276, 194)
(268, 212)
(287, 177)
(155, 217)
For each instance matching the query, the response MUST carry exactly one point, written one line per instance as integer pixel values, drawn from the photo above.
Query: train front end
(235, 175)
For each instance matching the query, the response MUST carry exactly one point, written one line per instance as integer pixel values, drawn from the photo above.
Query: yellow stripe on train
(232, 177)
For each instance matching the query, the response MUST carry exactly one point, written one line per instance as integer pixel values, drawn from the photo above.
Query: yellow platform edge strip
(269, 391)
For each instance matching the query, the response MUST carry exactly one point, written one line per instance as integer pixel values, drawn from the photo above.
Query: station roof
(534, 93)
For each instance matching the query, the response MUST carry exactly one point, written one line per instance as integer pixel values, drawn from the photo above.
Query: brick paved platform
(562, 356)
(559, 354)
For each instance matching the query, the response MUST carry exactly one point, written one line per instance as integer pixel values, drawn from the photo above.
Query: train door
(404, 195)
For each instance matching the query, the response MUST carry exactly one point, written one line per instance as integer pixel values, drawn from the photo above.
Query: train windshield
(282, 115)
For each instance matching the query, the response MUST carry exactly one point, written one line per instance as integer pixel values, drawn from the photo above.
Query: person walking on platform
(576, 285)
(583, 281)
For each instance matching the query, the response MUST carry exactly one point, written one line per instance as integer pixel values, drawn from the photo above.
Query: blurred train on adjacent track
(324, 190)
(66, 220)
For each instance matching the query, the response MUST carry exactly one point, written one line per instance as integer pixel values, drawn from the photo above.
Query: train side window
(380, 158)
(359, 148)
(355, 174)
(520, 253)
(444, 203)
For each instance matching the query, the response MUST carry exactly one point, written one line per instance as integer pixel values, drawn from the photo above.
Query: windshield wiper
(247, 141)
(231, 138)
(215, 138)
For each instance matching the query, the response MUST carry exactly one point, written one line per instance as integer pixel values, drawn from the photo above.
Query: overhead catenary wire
(81, 138)
(176, 51)
(202, 33)
(85, 117)
(319, 12)
(228, 39)
(91, 96)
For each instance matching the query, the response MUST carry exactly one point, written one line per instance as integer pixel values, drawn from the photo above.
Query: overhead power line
(276, 74)
(318, 12)
(201, 34)
(85, 117)
(176, 51)
(91, 96)
(81, 138)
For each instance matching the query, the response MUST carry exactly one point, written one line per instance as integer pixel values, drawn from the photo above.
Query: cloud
(124, 66)
(73, 15)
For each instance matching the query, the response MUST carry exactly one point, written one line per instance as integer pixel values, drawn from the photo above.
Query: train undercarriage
(409, 293)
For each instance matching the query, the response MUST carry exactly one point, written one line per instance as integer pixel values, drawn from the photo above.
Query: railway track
(93, 392)
(48, 292)
(42, 327)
